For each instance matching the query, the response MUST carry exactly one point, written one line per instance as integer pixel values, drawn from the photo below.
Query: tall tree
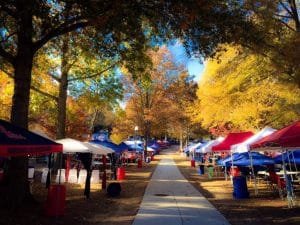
(157, 99)
(240, 91)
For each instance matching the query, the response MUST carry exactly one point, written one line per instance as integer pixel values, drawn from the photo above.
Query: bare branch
(287, 25)
(93, 75)
(283, 16)
(286, 8)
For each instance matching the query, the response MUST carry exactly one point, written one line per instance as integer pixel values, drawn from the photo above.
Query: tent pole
(287, 185)
(294, 161)
(60, 165)
(254, 177)
(231, 176)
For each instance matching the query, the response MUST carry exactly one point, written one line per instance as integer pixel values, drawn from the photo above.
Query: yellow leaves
(6, 93)
(243, 89)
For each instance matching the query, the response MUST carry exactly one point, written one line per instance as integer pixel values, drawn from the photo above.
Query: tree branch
(93, 75)
(8, 10)
(55, 77)
(32, 87)
(7, 56)
(282, 16)
(5, 39)
(285, 24)
(44, 93)
(62, 29)
(286, 8)
(7, 73)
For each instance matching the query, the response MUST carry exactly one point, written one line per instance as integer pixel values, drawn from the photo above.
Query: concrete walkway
(171, 200)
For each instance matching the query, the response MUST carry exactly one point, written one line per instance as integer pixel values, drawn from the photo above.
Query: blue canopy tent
(122, 146)
(289, 157)
(228, 160)
(154, 146)
(136, 147)
(118, 149)
(243, 159)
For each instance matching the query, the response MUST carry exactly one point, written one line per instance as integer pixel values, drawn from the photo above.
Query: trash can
(210, 171)
(56, 200)
(121, 173)
(240, 189)
(193, 163)
(235, 171)
(140, 163)
(201, 169)
(114, 189)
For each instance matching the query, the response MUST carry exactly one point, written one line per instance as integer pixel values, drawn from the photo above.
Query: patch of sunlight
(181, 202)
(161, 180)
(140, 174)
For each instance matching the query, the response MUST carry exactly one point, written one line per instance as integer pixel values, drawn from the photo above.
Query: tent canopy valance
(207, 147)
(287, 137)
(245, 146)
(243, 159)
(74, 146)
(232, 139)
(17, 141)
(116, 148)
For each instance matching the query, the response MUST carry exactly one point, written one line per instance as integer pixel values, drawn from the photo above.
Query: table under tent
(286, 141)
(79, 163)
(223, 149)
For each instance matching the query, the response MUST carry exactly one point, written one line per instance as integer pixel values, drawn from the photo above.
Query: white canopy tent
(245, 146)
(207, 147)
(74, 146)
(98, 149)
(194, 147)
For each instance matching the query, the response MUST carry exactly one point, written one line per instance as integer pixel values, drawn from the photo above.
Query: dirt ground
(99, 209)
(266, 208)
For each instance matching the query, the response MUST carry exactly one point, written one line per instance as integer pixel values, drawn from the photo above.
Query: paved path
(170, 200)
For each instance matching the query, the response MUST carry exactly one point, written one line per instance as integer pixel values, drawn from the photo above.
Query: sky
(193, 65)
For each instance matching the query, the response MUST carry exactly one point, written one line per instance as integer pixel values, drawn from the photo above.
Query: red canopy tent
(17, 141)
(287, 137)
(232, 139)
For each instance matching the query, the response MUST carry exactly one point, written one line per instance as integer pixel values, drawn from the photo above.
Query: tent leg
(289, 191)
(254, 177)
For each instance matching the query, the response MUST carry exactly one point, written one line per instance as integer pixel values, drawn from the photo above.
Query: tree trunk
(63, 91)
(147, 135)
(62, 101)
(18, 186)
(181, 141)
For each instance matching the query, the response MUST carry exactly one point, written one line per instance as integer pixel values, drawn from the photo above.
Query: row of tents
(287, 138)
(243, 149)
(16, 141)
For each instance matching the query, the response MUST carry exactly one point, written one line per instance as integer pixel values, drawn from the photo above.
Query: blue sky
(193, 65)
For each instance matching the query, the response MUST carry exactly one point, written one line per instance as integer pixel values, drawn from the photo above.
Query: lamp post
(136, 128)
